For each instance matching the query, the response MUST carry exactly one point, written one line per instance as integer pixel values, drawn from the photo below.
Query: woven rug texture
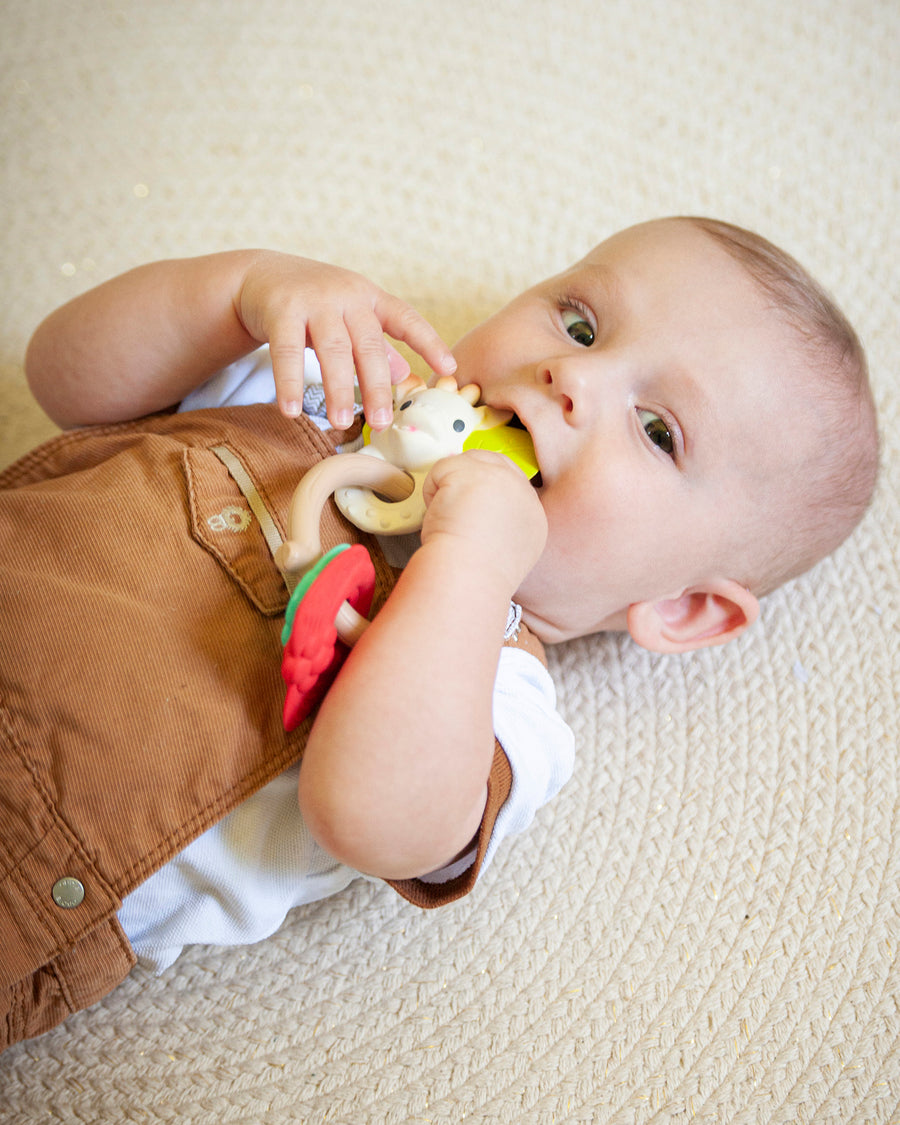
(703, 927)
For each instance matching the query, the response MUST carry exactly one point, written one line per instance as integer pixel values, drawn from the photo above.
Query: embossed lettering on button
(68, 892)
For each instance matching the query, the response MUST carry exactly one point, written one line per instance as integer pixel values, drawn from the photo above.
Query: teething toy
(379, 489)
(330, 604)
(429, 423)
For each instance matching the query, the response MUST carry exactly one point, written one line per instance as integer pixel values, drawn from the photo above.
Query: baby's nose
(569, 380)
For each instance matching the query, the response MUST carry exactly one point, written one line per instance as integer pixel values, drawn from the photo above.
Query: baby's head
(703, 422)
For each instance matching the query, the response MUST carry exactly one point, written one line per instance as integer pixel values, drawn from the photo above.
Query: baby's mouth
(517, 424)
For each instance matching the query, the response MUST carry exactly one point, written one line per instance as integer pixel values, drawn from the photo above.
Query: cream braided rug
(704, 926)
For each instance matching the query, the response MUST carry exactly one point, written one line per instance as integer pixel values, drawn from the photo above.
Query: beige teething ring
(303, 546)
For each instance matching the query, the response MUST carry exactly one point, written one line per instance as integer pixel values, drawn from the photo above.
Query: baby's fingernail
(343, 418)
(382, 417)
(293, 408)
(448, 364)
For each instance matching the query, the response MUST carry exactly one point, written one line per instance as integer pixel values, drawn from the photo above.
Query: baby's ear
(711, 614)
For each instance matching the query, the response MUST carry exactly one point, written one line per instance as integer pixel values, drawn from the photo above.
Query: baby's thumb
(397, 364)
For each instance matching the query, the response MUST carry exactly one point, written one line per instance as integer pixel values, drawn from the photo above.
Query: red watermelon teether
(313, 651)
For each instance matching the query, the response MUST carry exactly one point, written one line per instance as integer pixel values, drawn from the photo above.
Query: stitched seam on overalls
(240, 476)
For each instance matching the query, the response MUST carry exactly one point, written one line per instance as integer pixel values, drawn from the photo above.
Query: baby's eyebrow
(691, 403)
(604, 278)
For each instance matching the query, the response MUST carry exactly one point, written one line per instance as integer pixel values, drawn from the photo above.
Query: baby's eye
(578, 327)
(657, 431)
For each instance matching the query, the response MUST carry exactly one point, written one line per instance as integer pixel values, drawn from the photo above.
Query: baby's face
(659, 391)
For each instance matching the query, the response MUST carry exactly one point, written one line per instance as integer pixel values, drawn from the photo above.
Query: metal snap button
(68, 892)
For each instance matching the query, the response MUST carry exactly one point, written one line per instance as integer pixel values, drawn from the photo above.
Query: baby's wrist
(471, 561)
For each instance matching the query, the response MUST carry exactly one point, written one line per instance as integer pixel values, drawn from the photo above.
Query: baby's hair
(837, 489)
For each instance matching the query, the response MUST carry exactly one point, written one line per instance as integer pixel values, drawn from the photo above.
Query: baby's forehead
(682, 235)
(673, 257)
(765, 438)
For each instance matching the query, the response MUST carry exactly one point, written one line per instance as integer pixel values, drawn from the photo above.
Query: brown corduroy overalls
(140, 684)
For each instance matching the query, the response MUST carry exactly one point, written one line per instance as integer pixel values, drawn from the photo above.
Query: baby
(704, 428)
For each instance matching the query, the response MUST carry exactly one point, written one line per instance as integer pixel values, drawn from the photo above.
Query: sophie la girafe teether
(379, 489)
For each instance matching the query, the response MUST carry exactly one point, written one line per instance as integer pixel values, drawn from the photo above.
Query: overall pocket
(233, 519)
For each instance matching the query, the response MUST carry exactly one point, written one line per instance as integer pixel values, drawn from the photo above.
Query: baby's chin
(552, 632)
(553, 625)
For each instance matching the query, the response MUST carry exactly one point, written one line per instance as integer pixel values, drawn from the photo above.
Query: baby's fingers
(331, 341)
(399, 367)
(287, 368)
(374, 370)
(402, 322)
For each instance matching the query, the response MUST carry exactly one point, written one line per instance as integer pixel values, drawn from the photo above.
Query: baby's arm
(393, 780)
(142, 341)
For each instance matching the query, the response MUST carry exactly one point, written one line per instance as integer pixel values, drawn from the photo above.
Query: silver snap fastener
(68, 892)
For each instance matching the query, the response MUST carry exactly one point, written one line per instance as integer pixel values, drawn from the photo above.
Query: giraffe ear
(412, 384)
(491, 417)
(471, 392)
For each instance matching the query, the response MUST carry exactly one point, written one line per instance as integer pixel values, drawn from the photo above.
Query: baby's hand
(292, 303)
(488, 506)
